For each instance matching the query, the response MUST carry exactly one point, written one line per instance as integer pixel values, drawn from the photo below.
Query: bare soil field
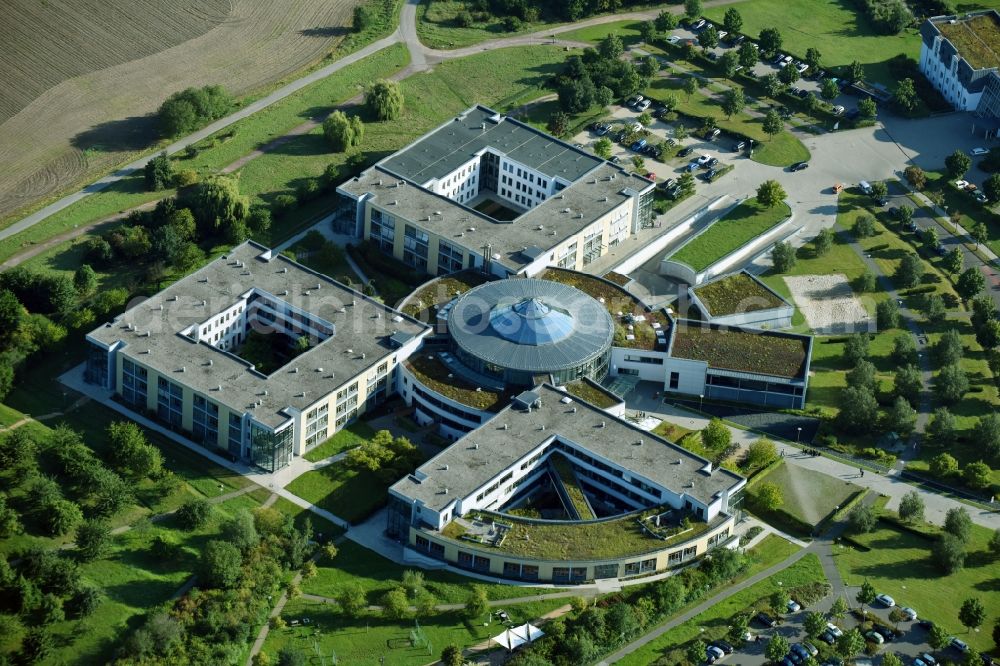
(828, 303)
(80, 78)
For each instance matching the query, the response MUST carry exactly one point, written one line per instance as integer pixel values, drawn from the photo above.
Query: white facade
(461, 185)
(627, 485)
(944, 77)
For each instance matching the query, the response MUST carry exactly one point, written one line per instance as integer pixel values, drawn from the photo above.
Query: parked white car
(908, 613)
(885, 600)
(979, 151)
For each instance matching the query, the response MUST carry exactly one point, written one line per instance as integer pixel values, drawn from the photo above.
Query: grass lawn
(738, 227)
(346, 493)
(842, 33)
(9, 416)
(436, 26)
(780, 150)
(714, 623)
(810, 496)
(367, 638)
(376, 575)
(900, 565)
(353, 435)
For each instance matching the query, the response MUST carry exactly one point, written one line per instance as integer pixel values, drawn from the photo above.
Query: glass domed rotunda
(517, 329)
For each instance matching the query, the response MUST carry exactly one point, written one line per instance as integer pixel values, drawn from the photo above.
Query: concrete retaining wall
(658, 244)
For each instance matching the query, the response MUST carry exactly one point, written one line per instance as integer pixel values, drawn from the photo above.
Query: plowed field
(79, 78)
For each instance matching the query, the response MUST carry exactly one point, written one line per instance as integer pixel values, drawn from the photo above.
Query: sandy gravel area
(828, 303)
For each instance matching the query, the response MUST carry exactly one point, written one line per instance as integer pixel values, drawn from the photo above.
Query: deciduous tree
(957, 164)
(901, 417)
(772, 124)
(942, 429)
(911, 507)
(958, 523)
(862, 519)
(978, 475)
(768, 497)
(384, 100)
(770, 193)
(220, 565)
(972, 614)
(783, 256)
(951, 384)
(970, 283)
(905, 96)
(342, 131)
(770, 41)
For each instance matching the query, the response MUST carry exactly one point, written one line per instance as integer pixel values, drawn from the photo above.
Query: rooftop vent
(471, 229)
(565, 210)
(219, 387)
(444, 468)
(603, 424)
(319, 369)
(437, 212)
(149, 351)
(204, 303)
(319, 285)
(541, 427)
(505, 426)
(284, 269)
(208, 362)
(183, 368)
(393, 202)
(172, 298)
(445, 491)
(284, 293)
(203, 280)
(539, 227)
(475, 446)
(295, 370)
(573, 410)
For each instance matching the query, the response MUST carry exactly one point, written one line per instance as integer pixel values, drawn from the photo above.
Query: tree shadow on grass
(126, 134)
(302, 145)
(326, 32)
(142, 593)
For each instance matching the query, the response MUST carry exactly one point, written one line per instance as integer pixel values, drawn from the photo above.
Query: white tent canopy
(518, 636)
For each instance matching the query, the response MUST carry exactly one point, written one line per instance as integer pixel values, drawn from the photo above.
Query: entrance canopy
(517, 636)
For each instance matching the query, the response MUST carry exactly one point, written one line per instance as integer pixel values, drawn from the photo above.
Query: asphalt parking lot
(910, 645)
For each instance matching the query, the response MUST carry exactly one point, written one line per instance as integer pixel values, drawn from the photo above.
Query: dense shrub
(189, 109)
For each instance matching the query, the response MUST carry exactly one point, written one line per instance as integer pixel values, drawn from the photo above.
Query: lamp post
(798, 434)
(701, 401)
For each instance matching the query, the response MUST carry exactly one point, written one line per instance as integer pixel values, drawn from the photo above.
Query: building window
(415, 247)
(316, 425)
(235, 434)
(205, 421)
(382, 230)
(450, 258)
(133, 383)
(675, 378)
(169, 402)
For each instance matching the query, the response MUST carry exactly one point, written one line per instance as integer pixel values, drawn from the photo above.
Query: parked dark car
(924, 624)
(799, 166)
(668, 183)
(674, 192)
(684, 152)
(709, 175)
(712, 162)
(724, 646)
(766, 620)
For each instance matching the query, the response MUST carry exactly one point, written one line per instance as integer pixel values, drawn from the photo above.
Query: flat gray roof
(486, 452)
(151, 333)
(457, 141)
(583, 328)
(559, 217)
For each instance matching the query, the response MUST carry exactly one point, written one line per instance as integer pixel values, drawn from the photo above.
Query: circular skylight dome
(531, 322)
